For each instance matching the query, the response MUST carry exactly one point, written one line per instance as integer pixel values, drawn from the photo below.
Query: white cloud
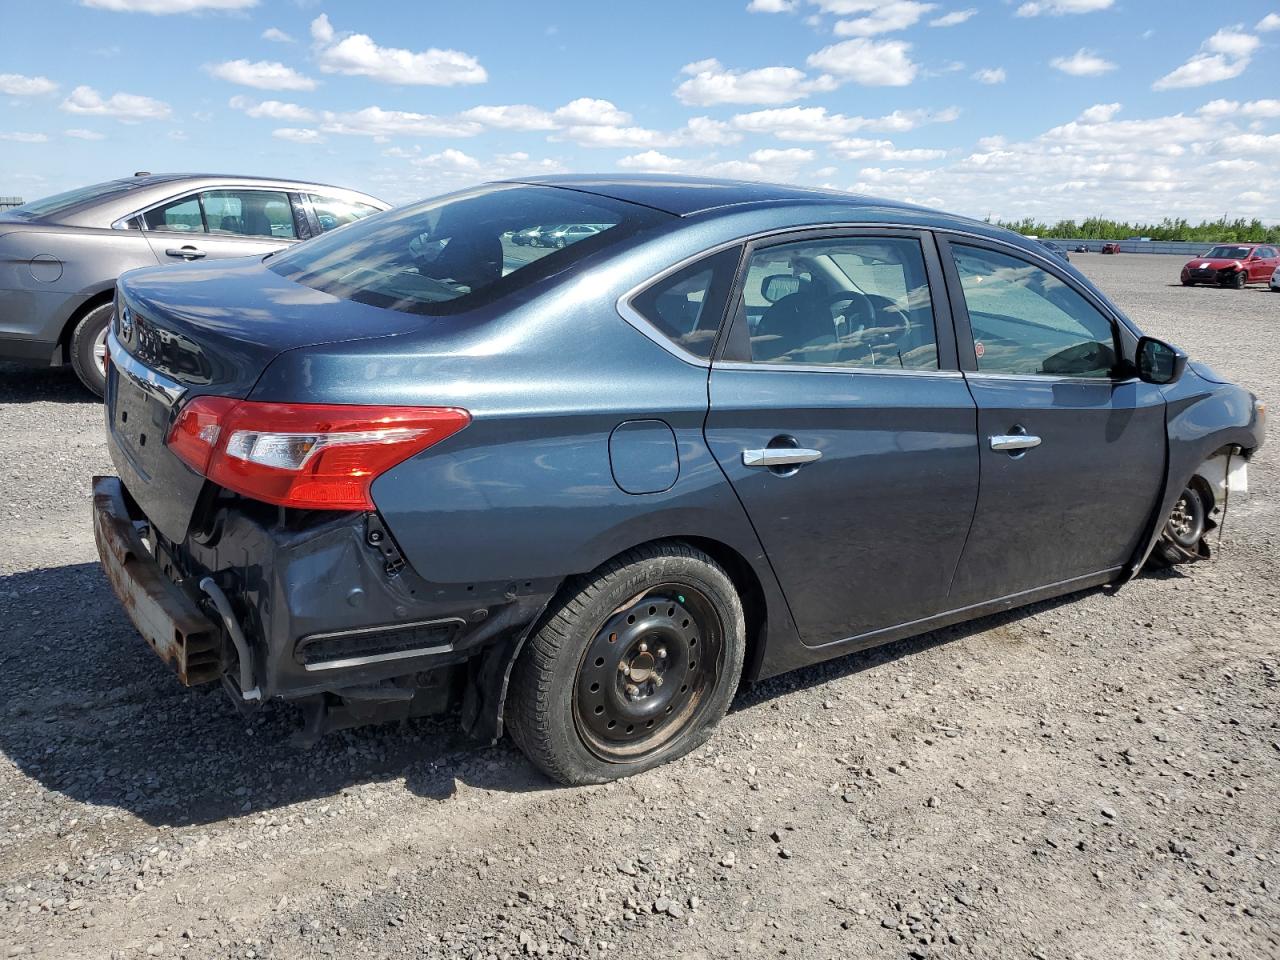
(990, 75)
(516, 116)
(162, 7)
(815, 124)
(872, 63)
(451, 168)
(1270, 22)
(380, 124)
(18, 137)
(882, 17)
(272, 109)
(1100, 113)
(707, 131)
(356, 54)
(127, 107)
(1083, 63)
(16, 85)
(710, 83)
(79, 133)
(627, 138)
(276, 35)
(883, 151)
(298, 135)
(587, 111)
(777, 165)
(1260, 109)
(264, 75)
(954, 18)
(1223, 56)
(771, 6)
(1058, 8)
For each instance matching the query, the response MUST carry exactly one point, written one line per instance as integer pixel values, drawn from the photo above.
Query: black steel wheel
(634, 667)
(1182, 539)
(1240, 279)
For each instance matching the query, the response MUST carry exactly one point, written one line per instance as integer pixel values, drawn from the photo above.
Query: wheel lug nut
(644, 647)
(632, 690)
(662, 653)
(657, 681)
(623, 668)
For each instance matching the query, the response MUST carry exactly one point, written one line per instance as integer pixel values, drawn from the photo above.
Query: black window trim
(1125, 337)
(735, 350)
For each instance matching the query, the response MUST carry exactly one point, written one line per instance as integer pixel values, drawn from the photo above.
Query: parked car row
(554, 235)
(582, 496)
(60, 256)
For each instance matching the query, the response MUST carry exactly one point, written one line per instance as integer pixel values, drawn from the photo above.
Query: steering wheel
(853, 296)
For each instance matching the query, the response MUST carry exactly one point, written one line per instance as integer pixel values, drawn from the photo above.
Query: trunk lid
(199, 329)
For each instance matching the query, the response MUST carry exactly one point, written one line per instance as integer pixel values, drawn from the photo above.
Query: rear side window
(333, 212)
(687, 306)
(457, 252)
(249, 213)
(176, 216)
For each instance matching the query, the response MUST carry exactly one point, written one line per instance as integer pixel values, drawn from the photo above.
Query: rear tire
(88, 347)
(634, 666)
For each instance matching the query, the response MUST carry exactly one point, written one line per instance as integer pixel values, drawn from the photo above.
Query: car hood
(1216, 263)
(216, 325)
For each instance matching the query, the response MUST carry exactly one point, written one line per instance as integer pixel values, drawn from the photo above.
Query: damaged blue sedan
(582, 492)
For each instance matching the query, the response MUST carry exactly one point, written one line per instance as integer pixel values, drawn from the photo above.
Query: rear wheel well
(751, 593)
(92, 303)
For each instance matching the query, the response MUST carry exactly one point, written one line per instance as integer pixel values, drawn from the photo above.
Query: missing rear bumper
(168, 619)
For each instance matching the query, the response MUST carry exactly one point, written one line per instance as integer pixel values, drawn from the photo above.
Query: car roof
(688, 196)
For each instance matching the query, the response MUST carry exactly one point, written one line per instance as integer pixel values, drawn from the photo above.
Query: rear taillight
(314, 456)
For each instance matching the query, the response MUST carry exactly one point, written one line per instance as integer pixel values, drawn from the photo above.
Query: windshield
(1228, 253)
(61, 202)
(455, 252)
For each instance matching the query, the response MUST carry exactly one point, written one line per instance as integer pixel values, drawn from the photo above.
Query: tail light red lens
(313, 456)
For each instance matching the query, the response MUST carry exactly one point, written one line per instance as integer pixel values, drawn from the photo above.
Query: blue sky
(1048, 108)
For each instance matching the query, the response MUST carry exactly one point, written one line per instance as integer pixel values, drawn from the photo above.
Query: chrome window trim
(1049, 378)
(742, 365)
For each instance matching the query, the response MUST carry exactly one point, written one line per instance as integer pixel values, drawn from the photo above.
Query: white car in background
(1275, 281)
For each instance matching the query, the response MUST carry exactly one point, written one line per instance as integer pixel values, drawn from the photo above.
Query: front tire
(89, 347)
(1182, 539)
(1239, 280)
(634, 666)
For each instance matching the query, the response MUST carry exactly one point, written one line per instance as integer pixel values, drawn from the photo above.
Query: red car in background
(1233, 265)
(1111, 248)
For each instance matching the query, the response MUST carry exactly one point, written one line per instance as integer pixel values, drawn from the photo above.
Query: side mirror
(779, 285)
(1159, 362)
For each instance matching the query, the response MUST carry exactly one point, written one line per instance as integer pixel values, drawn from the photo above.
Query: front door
(839, 416)
(1072, 444)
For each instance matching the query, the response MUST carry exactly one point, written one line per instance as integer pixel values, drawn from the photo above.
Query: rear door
(839, 415)
(215, 224)
(1072, 444)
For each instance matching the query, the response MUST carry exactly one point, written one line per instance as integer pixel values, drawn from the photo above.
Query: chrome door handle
(1008, 442)
(779, 457)
(187, 253)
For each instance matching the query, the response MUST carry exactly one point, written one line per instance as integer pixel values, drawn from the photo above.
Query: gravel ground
(1093, 777)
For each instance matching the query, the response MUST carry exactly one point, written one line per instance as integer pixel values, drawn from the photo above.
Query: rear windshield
(457, 252)
(61, 202)
(1228, 253)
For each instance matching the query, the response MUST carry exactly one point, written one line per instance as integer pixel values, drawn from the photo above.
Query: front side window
(1026, 321)
(249, 213)
(687, 306)
(456, 252)
(844, 302)
(333, 212)
(176, 216)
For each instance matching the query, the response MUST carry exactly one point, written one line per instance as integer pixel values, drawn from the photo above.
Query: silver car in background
(60, 256)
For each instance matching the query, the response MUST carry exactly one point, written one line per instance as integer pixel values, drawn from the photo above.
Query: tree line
(1221, 230)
